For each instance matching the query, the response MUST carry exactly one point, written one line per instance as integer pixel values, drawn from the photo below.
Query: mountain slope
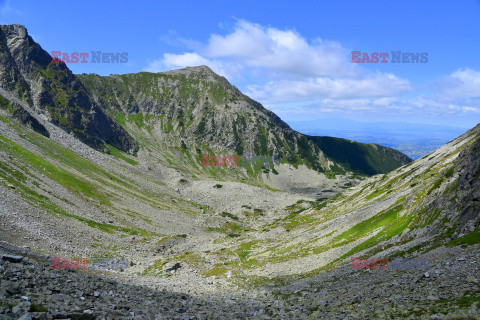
(28, 74)
(369, 159)
(202, 109)
(427, 204)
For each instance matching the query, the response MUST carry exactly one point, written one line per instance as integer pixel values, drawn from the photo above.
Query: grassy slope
(367, 159)
(80, 178)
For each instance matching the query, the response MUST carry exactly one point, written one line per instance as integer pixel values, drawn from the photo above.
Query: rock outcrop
(28, 73)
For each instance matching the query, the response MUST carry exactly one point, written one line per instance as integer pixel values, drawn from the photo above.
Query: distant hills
(415, 140)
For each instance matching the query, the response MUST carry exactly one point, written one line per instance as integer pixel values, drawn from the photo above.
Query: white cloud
(385, 101)
(463, 82)
(171, 61)
(378, 85)
(280, 50)
(186, 59)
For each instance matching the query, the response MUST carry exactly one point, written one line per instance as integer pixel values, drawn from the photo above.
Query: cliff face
(467, 168)
(28, 74)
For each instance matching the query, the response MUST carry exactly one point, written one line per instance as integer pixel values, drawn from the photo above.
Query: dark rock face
(10, 77)
(468, 190)
(22, 115)
(460, 200)
(27, 119)
(27, 72)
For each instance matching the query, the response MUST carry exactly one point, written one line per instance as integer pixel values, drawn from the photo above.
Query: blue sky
(294, 57)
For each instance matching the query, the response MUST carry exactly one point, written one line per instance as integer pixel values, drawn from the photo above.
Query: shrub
(227, 214)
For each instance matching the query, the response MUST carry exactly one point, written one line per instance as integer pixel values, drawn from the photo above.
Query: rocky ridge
(27, 72)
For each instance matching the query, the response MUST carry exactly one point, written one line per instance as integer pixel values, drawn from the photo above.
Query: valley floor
(449, 289)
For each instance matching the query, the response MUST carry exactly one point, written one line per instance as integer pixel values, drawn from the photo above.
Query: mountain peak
(202, 70)
(15, 28)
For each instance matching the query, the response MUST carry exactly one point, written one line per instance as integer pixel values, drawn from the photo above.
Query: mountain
(197, 107)
(368, 159)
(33, 82)
(425, 205)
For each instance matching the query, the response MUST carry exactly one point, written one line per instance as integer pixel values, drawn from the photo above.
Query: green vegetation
(227, 214)
(435, 185)
(215, 271)
(468, 239)
(375, 194)
(390, 223)
(258, 212)
(244, 250)
(449, 172)
(369, 225)
(362, 158)
(117, 153)
(66, 179)
(137, 119)
(37, 308)
(228, 228)
(121, 119)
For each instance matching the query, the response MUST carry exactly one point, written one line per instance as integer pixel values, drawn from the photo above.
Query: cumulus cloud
(463, 82)
(378, 85)
(385, 101)
(171, 61)
(177, 61)
(281, 50)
